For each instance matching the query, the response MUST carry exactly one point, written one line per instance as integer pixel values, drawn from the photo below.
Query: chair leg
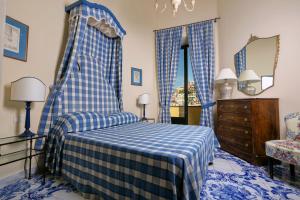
(270, 164)
(292, 171)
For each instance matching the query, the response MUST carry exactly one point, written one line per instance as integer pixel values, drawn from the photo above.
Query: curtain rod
(214, 19)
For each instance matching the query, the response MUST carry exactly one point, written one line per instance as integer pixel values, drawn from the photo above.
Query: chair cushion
(292, 122)
(284, 150)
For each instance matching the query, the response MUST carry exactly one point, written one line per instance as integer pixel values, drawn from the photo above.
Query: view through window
(184, 90)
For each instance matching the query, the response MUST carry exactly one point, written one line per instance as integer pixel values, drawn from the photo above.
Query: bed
(104, 152)
(119, 157)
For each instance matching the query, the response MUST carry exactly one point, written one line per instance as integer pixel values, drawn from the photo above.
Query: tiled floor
(228, 178)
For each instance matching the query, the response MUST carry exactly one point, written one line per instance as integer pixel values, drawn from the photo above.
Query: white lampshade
(226, 74)
(249, 76)
(144, 99)
(28, 89)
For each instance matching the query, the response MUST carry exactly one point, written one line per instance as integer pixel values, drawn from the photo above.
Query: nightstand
(24, 154)
(148, 120)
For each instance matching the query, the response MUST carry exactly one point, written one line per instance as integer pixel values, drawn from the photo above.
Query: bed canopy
(89, 78)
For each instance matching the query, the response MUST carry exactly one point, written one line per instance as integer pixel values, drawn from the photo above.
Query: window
(185, 105)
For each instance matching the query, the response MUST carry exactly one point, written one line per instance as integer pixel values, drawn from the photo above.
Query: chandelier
(175, 5)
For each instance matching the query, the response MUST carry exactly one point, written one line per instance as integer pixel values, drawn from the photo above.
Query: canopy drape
(90, 75)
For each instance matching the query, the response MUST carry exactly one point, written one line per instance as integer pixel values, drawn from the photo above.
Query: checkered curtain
(168, 43)
(202, 55)
(90, 75)
(240, 64)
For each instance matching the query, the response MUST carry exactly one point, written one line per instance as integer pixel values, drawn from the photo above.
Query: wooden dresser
(244, 125)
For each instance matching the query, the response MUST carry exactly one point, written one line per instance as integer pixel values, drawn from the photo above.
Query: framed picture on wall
(15, 39)
(136, 76)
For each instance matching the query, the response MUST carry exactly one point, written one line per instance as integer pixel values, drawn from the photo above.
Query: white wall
(264, 18)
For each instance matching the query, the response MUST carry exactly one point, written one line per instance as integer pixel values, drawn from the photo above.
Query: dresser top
(249, 99)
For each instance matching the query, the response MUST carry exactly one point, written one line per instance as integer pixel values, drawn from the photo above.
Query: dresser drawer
(237, 152)
(244, 145)
(226, 130)
(233, 119)
(234, 106)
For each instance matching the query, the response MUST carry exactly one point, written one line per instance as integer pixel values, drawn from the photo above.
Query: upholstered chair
(288, 150)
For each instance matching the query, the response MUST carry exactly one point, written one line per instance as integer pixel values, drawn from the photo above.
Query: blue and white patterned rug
(228, 178)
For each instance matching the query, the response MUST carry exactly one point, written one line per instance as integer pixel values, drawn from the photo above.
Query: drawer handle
(246, 145)
(246, 132)
(245, 107)
(245, 119)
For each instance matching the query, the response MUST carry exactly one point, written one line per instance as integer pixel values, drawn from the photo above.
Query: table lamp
(249, 76)
(28, 90)
(144, 100)
(226, 77)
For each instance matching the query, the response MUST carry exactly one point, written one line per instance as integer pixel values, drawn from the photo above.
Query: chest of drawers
(244, 125)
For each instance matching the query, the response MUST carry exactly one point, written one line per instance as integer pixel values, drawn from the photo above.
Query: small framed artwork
(15, 39)
(136, 76)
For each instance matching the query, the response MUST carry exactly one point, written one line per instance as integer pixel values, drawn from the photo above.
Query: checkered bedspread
(139, 161)
(78, 122)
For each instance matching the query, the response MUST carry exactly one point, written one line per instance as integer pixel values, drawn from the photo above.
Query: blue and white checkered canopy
(89, 78)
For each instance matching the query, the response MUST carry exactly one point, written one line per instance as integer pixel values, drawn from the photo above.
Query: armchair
(287, 150)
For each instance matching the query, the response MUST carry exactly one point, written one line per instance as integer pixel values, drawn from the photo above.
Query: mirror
(255, 64)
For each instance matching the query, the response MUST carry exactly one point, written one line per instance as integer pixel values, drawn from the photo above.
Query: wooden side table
(24, 154)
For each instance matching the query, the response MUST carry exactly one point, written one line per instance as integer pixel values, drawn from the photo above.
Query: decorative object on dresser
(28, 90)
(144, 100)
(244, 125)
(226, 77)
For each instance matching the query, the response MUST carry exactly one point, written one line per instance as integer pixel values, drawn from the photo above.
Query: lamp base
(251, 90)
(226, 91)
(27, 133)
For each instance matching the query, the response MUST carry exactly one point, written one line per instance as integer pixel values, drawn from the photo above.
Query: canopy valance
(98, 16)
